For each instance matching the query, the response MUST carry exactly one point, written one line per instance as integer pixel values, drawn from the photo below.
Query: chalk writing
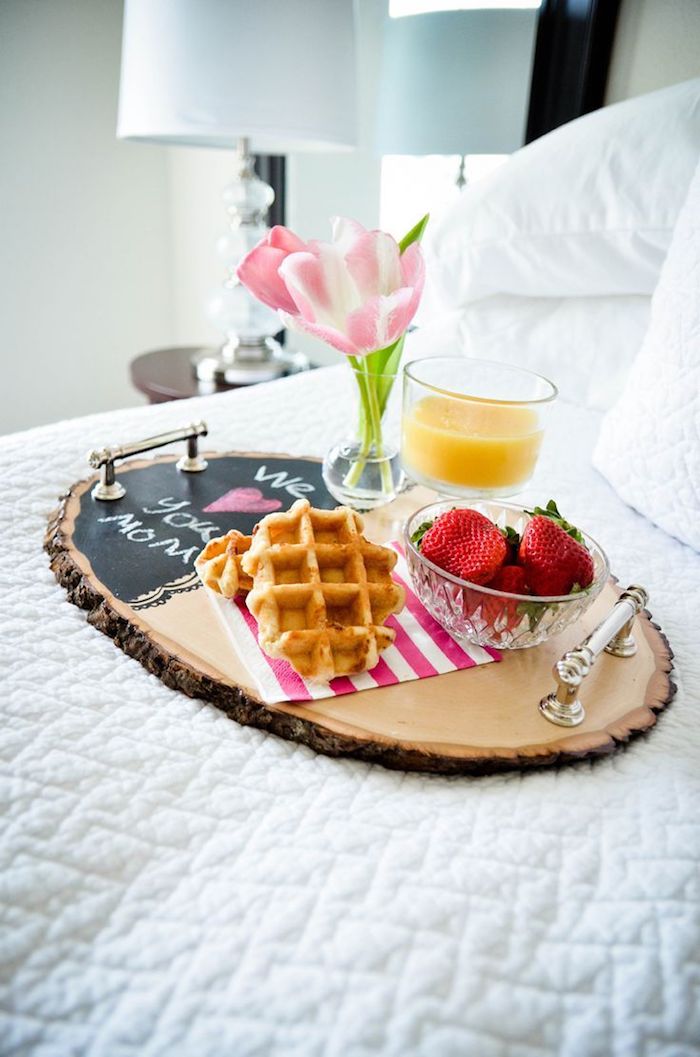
(296, 486)
(171, 548)
(172, 513)
(136, 532)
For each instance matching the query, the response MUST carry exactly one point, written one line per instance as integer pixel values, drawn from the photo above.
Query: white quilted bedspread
(659, 475)
(174, 884)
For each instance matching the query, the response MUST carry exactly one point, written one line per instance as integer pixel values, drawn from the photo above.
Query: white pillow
(585, 345)
(586, 210)
(649, 444)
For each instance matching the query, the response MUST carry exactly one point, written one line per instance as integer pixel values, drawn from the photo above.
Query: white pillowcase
(585, 345)
(586, 210)
(649, 444)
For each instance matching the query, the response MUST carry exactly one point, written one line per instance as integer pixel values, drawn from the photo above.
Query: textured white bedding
(660, 405)
(175, 884)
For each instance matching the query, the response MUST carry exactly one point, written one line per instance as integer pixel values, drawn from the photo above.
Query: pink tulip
(357, 293)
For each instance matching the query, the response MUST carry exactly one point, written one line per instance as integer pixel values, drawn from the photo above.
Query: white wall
(107, 248)
(84, 220)
(657, 43)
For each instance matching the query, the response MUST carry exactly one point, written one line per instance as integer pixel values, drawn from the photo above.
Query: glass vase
(363, 470)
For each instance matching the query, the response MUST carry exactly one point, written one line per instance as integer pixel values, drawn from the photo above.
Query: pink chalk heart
(244, 501)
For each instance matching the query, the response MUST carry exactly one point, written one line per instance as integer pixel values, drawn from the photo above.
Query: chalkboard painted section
(142, 547)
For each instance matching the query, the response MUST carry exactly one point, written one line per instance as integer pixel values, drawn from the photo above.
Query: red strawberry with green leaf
(552, 511)
(511, 578)
(505, 613)
(512, 542)
(466, 544)
(555, 563)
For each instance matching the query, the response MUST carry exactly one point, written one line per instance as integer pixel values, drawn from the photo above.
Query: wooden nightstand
(166, 374)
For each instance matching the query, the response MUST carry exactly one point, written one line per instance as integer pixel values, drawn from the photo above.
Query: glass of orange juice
(472, 427)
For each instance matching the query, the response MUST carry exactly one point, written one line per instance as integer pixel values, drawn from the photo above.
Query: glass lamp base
(248, 364)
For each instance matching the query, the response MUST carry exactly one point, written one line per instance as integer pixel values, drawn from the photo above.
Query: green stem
(391, 366)
(352, 477)
(370, 425)
(376, 429)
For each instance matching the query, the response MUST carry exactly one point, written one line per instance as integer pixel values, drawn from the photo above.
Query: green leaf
(386, 383)
(417, 536)
(378, 360)
(415, 234)
(552, 511)
(535, 612)
(511, 536)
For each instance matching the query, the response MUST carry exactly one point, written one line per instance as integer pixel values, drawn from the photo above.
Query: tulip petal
(305, 279)
(412, 266)
(282, 238)
(345, 232)
(330, 335)
(320, 285)
(374, 264)
(259, 273)
(357, 293)
(381, 320)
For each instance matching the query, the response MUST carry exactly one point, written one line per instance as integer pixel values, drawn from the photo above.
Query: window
(412, 186)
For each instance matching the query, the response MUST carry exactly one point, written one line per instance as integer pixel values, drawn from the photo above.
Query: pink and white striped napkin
(422, 648)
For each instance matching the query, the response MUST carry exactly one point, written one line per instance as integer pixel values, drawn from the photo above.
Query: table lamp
(267, 77)
(455, 82)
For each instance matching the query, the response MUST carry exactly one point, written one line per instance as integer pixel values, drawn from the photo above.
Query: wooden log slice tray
(129, 564)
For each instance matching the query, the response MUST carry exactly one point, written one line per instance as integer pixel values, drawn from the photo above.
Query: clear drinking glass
(472, 428)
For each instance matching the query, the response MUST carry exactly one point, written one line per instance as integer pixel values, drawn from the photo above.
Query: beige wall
(84, 220)
(657, 43)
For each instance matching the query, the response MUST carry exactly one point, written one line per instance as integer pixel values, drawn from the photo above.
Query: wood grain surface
(476, 721)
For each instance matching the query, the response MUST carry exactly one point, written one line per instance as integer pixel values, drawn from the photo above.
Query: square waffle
(321, 591)
(219, 564)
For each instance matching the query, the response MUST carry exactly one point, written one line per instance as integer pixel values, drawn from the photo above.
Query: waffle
(321, 591)
(219, 564)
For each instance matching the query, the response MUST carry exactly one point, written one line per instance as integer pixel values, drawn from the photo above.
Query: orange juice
(477, 444)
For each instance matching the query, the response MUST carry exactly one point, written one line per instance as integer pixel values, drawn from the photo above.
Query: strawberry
(510, 578)
(505, 614)
(512, 542)
(466, 544)
(554, 562)
(552, 512)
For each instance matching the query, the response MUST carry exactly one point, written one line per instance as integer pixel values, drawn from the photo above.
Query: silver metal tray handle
(103, 459)
(613, 635)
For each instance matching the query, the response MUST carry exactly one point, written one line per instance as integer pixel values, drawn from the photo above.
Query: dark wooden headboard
(570, 66)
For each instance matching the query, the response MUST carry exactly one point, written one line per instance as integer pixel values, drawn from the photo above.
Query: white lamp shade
(206, 72)
(456, 82)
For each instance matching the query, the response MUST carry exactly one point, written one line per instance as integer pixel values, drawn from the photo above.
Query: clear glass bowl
(482, 615)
